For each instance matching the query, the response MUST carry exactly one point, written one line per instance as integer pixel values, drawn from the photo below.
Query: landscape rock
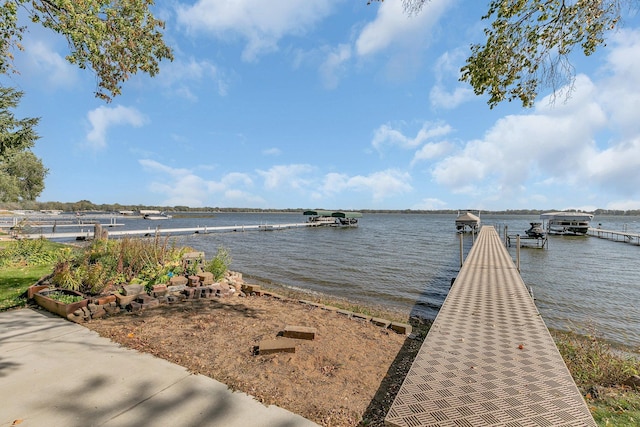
(125, 300)
(105, 299)
(176, 288)
(178, 281)
(282, 345)
(206, 277)
(401, 328)
(299, 332)
(134, 289)
(633, 381)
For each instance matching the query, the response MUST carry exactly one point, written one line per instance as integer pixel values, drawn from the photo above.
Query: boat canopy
(346, 215)
(335, 214)
(567, 216)
(318, 213)
(467, 218)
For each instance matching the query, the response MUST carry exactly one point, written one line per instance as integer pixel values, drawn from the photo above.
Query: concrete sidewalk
(56, 373)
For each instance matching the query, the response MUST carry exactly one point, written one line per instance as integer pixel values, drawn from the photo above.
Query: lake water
(407, 261)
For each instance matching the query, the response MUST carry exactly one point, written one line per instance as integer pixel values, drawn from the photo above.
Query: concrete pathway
(57, 373)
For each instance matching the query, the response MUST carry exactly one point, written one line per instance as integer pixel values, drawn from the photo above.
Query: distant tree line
(87, 206)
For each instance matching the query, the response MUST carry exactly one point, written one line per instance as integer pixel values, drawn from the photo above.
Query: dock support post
(518, 252)
(461, 251)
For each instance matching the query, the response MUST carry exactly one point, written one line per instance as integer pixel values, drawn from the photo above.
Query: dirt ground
(348, 376)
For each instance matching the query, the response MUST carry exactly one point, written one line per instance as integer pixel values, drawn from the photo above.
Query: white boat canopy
(467, 218)
(567, 216)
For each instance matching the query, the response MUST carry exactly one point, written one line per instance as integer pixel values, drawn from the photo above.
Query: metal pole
(518, 252)
(461, 252)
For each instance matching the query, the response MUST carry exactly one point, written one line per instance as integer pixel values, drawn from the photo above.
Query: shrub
(592, 361)
(112, 262)
(219, 264)
(65, 276)
(29, 252)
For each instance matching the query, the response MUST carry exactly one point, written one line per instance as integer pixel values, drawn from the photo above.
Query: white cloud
(617, 167)
(447, 71)
(236, 178)
(42, 57)
(463, 171)
(619, 92)
(403, 39)
(102, 118)
(591, 140)
(287, 176)
(441, 98)
(261, 24)
(154, 166)
(181, 76)
(393, 27)
(186, 190)
(381, 184)
(432, 150)
(386, 135)
(243, 198)
(552, 141)
(272, 151)
(334, 65)
(181, 186)
(624, 205)
(429, 204)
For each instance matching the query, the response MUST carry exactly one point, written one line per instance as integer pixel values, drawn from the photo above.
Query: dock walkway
(489, 358)
(617, 236)
(88, 232)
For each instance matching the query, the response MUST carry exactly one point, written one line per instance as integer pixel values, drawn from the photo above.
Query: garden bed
(62, 302)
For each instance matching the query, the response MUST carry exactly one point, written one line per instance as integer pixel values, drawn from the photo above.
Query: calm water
(407, 261)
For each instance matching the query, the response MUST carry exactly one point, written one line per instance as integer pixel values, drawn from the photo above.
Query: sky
(332, 104)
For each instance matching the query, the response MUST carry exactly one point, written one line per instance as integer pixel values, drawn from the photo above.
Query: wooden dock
(617, 236)
(489, 358)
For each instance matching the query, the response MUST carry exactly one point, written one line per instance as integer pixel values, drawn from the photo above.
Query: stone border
(401, 328)
(133, 298)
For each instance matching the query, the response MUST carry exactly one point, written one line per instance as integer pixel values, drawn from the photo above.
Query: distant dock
(88, 233)
(616, 236)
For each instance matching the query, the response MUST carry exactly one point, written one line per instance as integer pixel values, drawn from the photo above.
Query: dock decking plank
(489, 358)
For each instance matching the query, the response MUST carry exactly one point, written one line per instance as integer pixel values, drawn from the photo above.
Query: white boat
(576, 223)
(157, 216)
(322, 220)
(467, 221)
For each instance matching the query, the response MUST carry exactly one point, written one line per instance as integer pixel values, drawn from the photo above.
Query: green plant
(64, 298)
(30, 252)
(67, 276)
(95, 277)
(592, 361)
(219, 264)
(112, 262)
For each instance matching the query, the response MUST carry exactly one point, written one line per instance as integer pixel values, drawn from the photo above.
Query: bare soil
(348, 376)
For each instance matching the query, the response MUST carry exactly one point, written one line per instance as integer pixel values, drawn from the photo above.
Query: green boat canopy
(318, 213)
(347, 214)
(335, 214)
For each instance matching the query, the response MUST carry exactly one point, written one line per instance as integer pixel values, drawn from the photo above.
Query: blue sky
(332, 104)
